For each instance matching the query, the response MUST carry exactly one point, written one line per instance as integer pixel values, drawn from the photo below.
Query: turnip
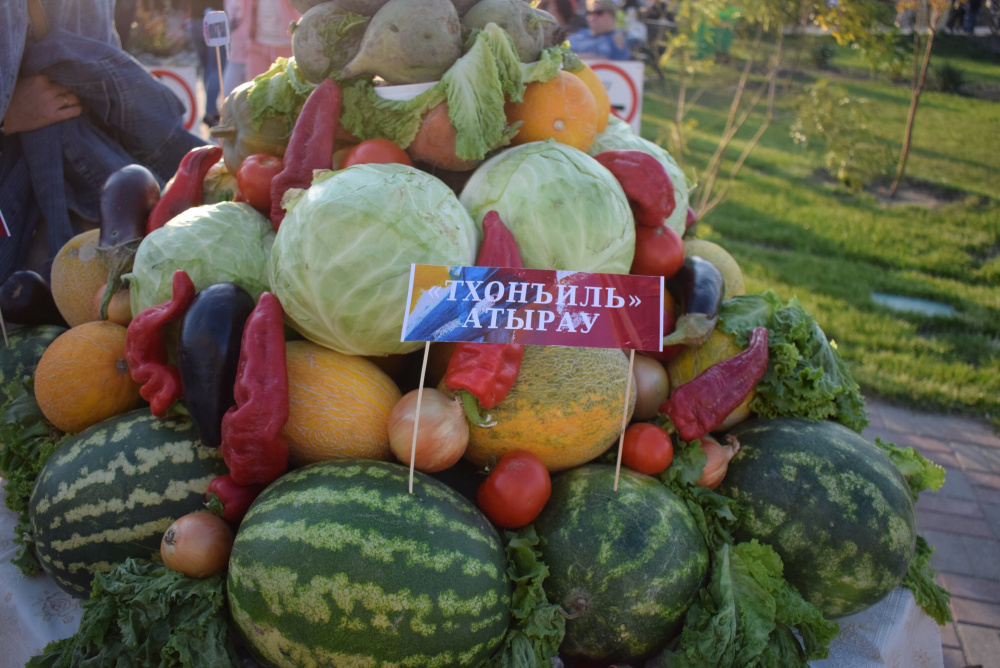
(409, 41)
(526, 27)
(326, 38)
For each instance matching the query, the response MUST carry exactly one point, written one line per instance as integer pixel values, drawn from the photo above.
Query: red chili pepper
(310, 146)
(231, 500)
(701, 405)
(146, 352)
(252, 446)
(647, 185)
(187, 188)
(487, 371)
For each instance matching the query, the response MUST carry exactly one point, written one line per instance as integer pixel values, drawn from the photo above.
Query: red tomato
(516, 490)
(253, 178)
(669, 325)
(380, 151)
(647, 448)
(659, 251)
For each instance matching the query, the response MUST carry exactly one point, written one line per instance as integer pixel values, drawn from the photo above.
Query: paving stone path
(961, 520)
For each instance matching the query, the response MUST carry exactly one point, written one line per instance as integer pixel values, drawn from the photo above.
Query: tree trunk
(914, 101)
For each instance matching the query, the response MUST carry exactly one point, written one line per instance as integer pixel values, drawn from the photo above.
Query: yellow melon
(693, 360)
(566, 407)
(83, 377)
(338, 405)
(77, 272)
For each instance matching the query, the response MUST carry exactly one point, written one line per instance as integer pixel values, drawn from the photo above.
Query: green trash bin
(714, 39)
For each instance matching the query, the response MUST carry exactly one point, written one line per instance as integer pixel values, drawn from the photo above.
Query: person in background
(207, 57)
(971, 16)
(602, 37)
(259, 34)
(74, 108)
(566, 12)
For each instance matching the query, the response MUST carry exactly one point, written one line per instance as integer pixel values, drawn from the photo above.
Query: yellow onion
(719, 456)
(197, 545)
(442, 432)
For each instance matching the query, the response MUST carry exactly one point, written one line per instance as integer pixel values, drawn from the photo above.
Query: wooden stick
(218, 62)
(416, 416)
(621, 439)
(3, 328)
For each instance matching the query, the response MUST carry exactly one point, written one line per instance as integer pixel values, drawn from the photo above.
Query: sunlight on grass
(800, 233)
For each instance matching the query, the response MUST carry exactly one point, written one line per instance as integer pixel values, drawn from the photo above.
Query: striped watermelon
(628, 563)
(336, 564)
(109, 493)
(24, 348)
(830, 503)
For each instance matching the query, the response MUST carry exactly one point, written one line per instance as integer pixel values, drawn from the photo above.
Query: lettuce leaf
(806, 377)
(141, 614)
(919, 579)
(743, 617)
(281, 91)
(28, 441)
(537, 626)
(920, 472)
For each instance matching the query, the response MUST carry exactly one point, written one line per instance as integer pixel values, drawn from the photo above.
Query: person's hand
(38, 102)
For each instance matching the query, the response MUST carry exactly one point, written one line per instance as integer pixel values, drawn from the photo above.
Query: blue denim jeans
(130, 117)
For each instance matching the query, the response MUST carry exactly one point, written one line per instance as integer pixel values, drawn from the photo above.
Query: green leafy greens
(143, 615)
(806, 377)
(921, 474)
(28, 441)
(537, 627)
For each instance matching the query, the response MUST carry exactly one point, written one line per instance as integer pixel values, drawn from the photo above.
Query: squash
(83, 377)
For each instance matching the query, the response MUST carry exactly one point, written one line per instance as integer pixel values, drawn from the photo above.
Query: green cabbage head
(213, 243)
(619, 137)
(564, 208)
(341, 259)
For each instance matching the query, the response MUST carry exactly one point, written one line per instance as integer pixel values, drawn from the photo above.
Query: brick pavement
(961, 521)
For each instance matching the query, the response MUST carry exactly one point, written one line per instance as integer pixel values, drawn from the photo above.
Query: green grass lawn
(799, 232)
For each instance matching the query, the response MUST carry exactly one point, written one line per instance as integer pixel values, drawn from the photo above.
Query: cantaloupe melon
(566, 407)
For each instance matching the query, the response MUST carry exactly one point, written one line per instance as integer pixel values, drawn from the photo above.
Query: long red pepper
(702, 404)
(252, 446)
(231, 500)
(647, 185)
(487, 371)
(310, 147)
(146, 352)
(187, 188)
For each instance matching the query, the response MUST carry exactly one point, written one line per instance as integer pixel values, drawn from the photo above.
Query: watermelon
(109, 492)
(337, 564)
(24, 348)
(830, 503)
(624, 564)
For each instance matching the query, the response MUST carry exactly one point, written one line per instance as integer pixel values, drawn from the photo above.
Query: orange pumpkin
(83, 378)
(338, 405)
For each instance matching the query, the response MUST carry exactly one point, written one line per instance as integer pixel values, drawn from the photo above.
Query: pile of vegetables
(487, 519)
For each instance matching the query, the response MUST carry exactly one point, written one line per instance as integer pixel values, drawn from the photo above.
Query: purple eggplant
(124, 203)
(698, 289)
(26, 299)
(208, 351)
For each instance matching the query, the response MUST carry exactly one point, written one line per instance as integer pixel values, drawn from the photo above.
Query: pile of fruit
(218, 392)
